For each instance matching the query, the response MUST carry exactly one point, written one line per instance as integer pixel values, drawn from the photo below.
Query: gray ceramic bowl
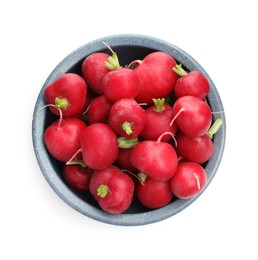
(128, 48)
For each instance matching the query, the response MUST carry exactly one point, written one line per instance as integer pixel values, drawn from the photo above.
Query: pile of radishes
(138, 132)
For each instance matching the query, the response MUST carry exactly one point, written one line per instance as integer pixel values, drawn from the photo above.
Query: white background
(35, 36)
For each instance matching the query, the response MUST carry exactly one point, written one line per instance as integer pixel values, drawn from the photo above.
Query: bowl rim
(56, 182)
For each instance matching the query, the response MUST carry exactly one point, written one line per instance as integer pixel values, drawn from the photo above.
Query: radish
(194, 149)
(113, 189)
(124, 161)
(154, 194)
(94, 70)
(62, 137)
(197, 149)
(99, 146)
(192, 83)
(99, 110)
(156, 76)
(127, 117)
(192, 115)
(68, 93)
(77, 177)
(121, 138)
(189, 180)
(158, 160)
(158, 118)
(120, 83)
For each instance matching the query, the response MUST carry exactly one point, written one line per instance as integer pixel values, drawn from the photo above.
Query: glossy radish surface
(99, 110)
(154, 194)
(127, 117)
(120, 83)
(156, 76)
(77, 177)
(158, 160)
(192, 115)
(68, 93)
(62, 137)
(94, 70)
(189, 180)
(124, 161)
(163, 114)
(113, 189)
(198, 149)
(195, 149)
(192, 83)
(99, 146)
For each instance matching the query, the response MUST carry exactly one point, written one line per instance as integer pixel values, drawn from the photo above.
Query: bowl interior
(128, 48)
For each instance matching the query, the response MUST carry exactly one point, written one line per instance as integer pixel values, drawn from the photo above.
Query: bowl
(128, 47)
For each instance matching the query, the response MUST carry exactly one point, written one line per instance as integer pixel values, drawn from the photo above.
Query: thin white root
(198, 181)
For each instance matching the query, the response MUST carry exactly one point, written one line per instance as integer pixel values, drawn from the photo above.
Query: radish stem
(127, 127)
(142, 177)
(179, 70)
(102, 190)
(61, 103)
(112, 62)
(124, 142)
(214, 128)
(159, 104)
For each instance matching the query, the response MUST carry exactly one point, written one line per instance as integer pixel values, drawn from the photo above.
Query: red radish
(194, 149)
(189, 180)
(124, 138)
(68, 93)
(158, 160)
(113, 189)
(62, 137)
(120, 83)
(127, 117)
(192, 83)
(77, 177)
(94, 70)
(197, 149)
(99, 110)
(124, 161)
(154, 194)
(192, 115)
(99, 146)
(158, 118)
(156, 76)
